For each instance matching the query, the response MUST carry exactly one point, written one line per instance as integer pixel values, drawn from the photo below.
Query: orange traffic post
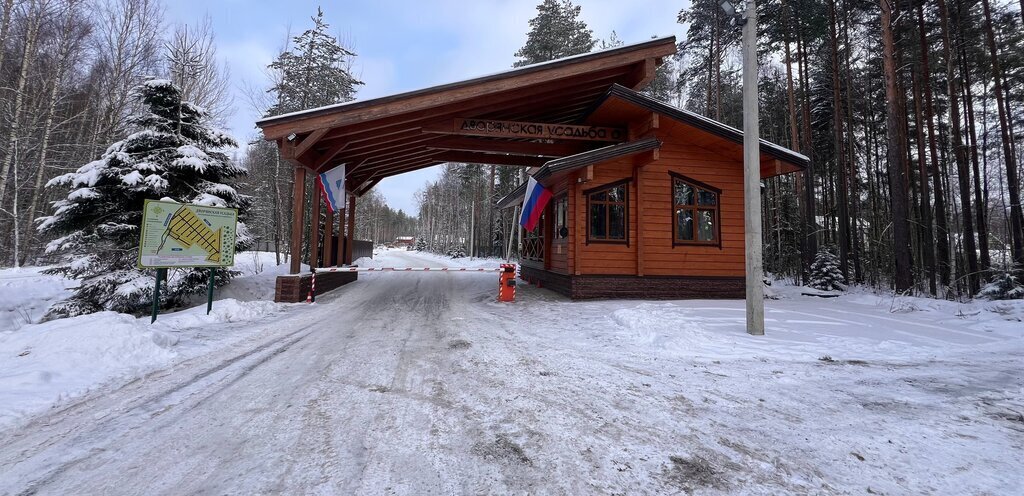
(507, 283)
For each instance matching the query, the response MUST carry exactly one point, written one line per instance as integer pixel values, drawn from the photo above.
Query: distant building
(404, 241)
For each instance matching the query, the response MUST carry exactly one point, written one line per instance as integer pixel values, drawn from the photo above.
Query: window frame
(695, 208)
(534, 238)
(563, 197)
(597, 189)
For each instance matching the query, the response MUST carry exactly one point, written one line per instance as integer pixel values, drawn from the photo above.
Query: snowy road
(416, 383)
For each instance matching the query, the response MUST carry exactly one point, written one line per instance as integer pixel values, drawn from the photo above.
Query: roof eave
(703, 123)
(304, 114)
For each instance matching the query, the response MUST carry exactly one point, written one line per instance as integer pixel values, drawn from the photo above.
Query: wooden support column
(328, 237)
(341, 237)
(314, 227)
(298, 218)
(638, 180)
(351, 236)
(579, 209)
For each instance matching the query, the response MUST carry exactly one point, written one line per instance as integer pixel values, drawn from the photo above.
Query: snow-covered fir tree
(825, 272)
(556, 32)
(421, 244)
(314, 73)
(172, 155)
(1005, 285)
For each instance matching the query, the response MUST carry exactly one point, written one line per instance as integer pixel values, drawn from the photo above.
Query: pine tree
(173, 155)
(826, 274)
(1004, 286)
(556, 32)
(314, 73)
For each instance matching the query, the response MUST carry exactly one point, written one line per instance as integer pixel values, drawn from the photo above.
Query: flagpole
(511, 234)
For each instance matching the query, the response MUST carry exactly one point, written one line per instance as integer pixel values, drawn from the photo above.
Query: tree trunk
(941, 227)
(959, 153)
(981, 206)
(5, 24)
(851, 160)
(1010, 159)
(842, 200)
(927, 240)
(896, 152)
(34, 20)
(810, 220)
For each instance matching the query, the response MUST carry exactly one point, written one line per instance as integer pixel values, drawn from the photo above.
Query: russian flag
(533, 204)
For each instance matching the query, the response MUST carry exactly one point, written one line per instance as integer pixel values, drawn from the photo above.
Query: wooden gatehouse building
(648, 198)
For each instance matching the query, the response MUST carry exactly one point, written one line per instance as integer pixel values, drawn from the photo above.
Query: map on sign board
(182, 235)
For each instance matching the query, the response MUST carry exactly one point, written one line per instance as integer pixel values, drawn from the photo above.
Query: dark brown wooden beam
(556, 73)
(495, 128)
(394, 170)
(351, 232)
(382, 128)
(374, 158)
(298, 212)
(367, 186)
(528, 148)
(328, 156)
(645, 73)
(309, 141)
(314, 226)
(375, 163)
(490, 159)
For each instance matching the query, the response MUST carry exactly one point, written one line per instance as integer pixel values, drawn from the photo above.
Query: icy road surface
(418, 383)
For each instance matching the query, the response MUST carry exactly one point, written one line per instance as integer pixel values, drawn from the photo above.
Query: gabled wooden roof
(386, 136)
(621, 103)
(561, 166)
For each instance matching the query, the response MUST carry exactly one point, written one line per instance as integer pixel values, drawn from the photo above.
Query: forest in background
(910, 112)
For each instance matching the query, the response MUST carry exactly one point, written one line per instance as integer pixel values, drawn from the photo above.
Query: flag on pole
(534, 201)
(332, 186)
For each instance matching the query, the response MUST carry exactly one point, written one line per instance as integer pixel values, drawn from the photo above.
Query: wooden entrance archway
(524, 117)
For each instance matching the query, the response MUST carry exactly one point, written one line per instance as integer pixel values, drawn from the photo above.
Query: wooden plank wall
(659, 256)
(559, 253)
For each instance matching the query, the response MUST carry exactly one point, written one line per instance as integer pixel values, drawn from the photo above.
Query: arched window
(695, 211)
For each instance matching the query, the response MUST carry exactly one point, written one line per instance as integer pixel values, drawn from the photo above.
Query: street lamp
(727, 7)
(751, 166)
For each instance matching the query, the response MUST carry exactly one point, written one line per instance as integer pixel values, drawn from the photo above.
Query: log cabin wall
(678, 155)
(560, 247)
(657, 253)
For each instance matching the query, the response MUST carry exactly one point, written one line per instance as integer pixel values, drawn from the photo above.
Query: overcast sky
(402, 45)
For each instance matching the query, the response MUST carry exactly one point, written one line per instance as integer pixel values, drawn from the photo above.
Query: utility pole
(751, 167)
(752, 175)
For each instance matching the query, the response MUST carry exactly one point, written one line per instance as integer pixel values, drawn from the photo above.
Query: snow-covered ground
(46, 365)
(26, 294)
(416, 383)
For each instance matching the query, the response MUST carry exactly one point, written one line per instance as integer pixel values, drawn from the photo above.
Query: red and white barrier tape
(406, 269)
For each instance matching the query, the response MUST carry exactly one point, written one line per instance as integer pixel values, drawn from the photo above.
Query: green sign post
(177, 235)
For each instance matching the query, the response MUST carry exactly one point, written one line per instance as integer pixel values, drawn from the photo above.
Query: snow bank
(26, 294)
(43, 365)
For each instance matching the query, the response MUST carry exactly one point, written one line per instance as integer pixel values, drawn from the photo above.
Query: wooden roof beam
(478, 88)
(645, 72)
(370, 166)
(493, 128)
(490, 159)
(309, 141)
(537, 96)
(394, 170)
(528, 148)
